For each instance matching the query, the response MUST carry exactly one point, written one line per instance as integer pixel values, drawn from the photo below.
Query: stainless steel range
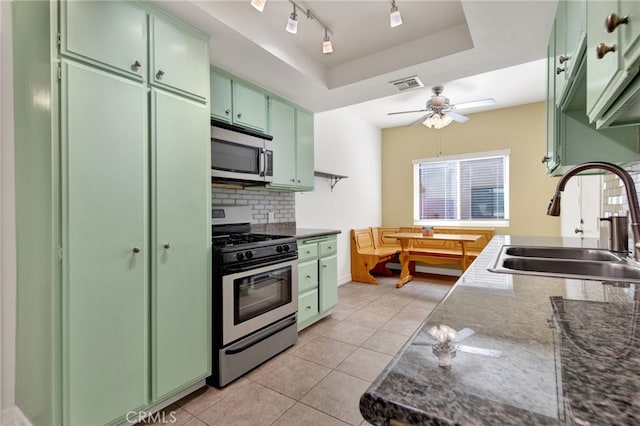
(255, 294)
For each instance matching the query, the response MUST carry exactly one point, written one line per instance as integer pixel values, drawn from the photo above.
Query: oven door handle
(263, 162)
(243, 348)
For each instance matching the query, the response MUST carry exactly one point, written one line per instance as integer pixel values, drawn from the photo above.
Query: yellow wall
(521, 129)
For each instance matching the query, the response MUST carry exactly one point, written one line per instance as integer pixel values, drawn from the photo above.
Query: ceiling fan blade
(457, 117)
(421, 119)
(406, 112)
(473, 104)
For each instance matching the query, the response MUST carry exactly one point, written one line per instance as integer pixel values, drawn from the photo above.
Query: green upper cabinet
(221, 96)
(570, 42)
(552, 156)
(180, 288)
(237, 102)
(304, 150)
(179, 58)
(249, 106)
(293, 157)
(613, 49)
(105, 302)
(282, 127)
(109, 34)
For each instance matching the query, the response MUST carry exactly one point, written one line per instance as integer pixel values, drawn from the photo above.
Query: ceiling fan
(439, 112)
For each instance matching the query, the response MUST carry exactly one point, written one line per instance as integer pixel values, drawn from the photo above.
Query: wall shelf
(334, 177)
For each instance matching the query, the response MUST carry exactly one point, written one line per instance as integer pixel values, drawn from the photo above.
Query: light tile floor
(319, 381)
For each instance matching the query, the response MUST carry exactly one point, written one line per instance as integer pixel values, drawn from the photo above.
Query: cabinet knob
(308, 307)
(293, 180)
(324, 266)
(579, 231)
(227, 111)
(160, 74)
(167, 246)
(136, 249)
(329, 248)
(560, 70)
(239, 115)
(136, 65)
(602, 49)
(562, 59)
(612, 21)
(546, 159)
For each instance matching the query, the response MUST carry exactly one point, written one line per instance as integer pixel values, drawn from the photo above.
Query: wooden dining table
(406, 257)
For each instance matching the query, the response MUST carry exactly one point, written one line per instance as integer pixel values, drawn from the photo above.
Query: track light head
(292, 23)
(327, 47)
(394, 17)
(258, 4)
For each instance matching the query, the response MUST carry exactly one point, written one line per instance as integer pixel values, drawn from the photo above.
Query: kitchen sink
(575, 253)
(567, 262)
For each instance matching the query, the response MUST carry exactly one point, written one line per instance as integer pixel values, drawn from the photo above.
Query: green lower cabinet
(317, 278)
(180, 287)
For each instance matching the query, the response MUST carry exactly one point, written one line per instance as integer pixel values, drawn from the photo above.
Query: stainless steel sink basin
(601, 271)
(567, 262)
(576, 253)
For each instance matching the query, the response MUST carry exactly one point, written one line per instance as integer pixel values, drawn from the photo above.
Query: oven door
(258, 297)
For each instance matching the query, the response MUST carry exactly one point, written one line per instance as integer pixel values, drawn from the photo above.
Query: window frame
(504, 153)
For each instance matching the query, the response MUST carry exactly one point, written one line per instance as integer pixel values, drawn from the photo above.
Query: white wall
(345, 144)
(7, 220)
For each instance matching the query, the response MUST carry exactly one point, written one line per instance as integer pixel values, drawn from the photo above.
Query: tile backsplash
(266, 206)
(614, 198)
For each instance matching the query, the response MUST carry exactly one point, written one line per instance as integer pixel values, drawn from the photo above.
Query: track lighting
(394, 17)
(292, 23)
(258, 4)
(327, 47)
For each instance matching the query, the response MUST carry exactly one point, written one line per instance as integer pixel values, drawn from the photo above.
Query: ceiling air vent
(407, 83)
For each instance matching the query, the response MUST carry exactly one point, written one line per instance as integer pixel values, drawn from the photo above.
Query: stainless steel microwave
(240, 155)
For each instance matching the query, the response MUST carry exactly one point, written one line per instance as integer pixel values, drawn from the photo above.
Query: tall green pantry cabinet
(112, 209)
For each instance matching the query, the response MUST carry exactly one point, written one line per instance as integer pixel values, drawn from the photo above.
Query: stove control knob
(249, 255)
(240, 256)
(279, 249)
(286, 247)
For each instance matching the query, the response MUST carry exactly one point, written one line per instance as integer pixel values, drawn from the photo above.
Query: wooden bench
(372, 248)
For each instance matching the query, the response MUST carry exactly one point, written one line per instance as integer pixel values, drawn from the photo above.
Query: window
(470, 189)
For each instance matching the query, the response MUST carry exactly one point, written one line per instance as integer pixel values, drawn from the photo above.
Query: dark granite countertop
(569, 353)
(290, 229)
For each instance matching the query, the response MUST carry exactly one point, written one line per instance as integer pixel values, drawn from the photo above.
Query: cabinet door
(283, 129)
(606, 76)
(181, 242)
(307, 306)
(560, 50)
(328, 267)
(630, 32)
(552, 157)
(105, 283)
(221, 97)
(304, 150)
(179, 58)
(106, 32)
(249, 107)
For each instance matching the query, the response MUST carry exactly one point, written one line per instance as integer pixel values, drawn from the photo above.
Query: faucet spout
(629, 186)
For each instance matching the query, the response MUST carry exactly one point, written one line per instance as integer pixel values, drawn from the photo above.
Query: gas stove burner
(226, 240)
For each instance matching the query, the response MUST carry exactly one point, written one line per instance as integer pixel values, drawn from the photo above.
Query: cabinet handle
(546, 159)
(167, 246)
(160, 74)
(136, 249)
(239, 115)
(612, 21)
(227, 111)
(579, 231)
(560, 70)
(562, 59)
(136, 65)
(602, 49)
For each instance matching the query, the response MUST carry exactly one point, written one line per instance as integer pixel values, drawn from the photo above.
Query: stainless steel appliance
(239, 154)
(255, 294)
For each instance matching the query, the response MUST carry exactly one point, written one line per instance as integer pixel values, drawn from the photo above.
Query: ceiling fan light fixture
(258, 4)
(292, 23)
(327, 47)
(438, 121)
(395, 19)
